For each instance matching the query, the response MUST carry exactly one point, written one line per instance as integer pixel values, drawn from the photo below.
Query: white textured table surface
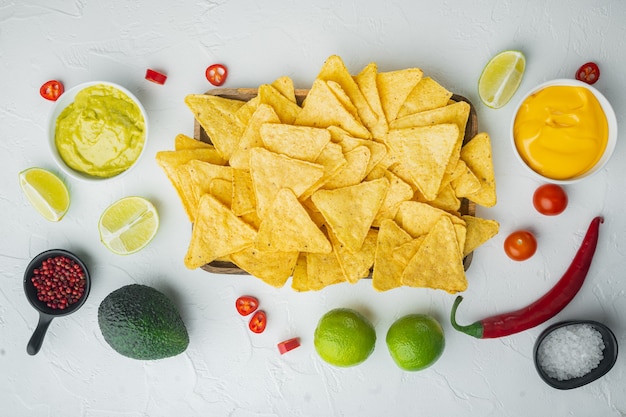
(227, 370)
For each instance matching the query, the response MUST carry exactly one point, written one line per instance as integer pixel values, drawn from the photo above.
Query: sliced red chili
(216, 74)
(51, 90)
(287, 345)
(246, 305)
(589, 73)
(545, 307)
(155, 76)
(258, 322)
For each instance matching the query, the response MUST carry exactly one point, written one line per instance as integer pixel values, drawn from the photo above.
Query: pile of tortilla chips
(364, 178)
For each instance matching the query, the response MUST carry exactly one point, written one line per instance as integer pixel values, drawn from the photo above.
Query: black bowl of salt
(571, 354)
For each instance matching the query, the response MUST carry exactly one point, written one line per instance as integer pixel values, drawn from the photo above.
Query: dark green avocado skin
(140, 322)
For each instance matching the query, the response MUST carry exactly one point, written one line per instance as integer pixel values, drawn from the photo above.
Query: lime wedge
(128, 225)
(45, 192)
(501, 78)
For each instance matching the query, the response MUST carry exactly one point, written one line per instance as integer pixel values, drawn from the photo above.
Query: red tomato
(216, 74)
(588, 73)
(287, 345)
(246, 305)
(51, 90)
(155, 76)
(258, 322)
(550, 199)
(520, 245)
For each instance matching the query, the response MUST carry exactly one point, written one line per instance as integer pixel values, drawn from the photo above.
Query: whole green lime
(344, 337)
(415, 341)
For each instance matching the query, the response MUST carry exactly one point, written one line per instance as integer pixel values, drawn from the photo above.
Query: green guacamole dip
(102, 133)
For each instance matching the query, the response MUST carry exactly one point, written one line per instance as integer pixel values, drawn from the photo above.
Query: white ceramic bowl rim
(610, 117)
(65, 100)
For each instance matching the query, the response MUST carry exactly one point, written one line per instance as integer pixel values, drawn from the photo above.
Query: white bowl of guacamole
(97, 130)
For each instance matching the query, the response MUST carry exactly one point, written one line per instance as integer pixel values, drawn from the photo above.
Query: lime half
(46, 192)
(501, 78)
(128, 225)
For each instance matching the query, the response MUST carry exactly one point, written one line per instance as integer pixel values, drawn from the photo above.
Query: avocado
(140, 322)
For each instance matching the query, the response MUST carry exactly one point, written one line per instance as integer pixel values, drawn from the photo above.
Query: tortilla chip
(378, 150)
(356, 265)
(477, 155)
(426, 152)
(463, 181)
(353, 172)
(286, 109)
(437, 263)
(387, 270)
(216, 233)
(273, 268)
(399, 191)
(300, 142)
(350, 211)
(217, 117)
(243, 199)
(184, 142)
(287, 227)
(323, 270)
(322, 108)
(333, 161)
(394, 87)
(478, 232)
(366, 80)
(251, 137)
(299, 280)
(271, 172)
(335, 70)
(428, 94)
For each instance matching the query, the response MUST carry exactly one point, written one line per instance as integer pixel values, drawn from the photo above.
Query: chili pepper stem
(475, 329)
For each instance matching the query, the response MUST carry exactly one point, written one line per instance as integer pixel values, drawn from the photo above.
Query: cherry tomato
(287, 345)
(520, 245)
(258, 322)
(246, 305)
(216, 74)
(155, 76)
(550, 199)
(589, 73)
(51, 90)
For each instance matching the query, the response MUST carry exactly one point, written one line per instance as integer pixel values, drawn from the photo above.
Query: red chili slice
(287, 345)
(51, 90)
(216, 74)
(246, 305)
(155, 76)
(589, 73)
(258, 322)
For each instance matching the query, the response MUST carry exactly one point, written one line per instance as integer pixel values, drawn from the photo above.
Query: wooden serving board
(244, 94)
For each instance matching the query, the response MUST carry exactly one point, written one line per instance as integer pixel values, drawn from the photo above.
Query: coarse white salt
(570, 351)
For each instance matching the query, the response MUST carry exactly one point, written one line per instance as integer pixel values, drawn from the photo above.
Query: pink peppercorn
(59, 281)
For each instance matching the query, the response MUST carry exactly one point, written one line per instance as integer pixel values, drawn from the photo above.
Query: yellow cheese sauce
(102, 133)
(561, 132)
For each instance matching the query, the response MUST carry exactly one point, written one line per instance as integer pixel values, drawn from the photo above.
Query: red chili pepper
(287, 345)
(246, 305)
(155, 76)
(51, 90)
(589, 73)
(545, 307)
(216, 74)
(258, 322)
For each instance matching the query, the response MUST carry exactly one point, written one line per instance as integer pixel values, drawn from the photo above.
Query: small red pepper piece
(246, 305)
(545, 307)
(589, 73)
(258, 322)
(51, 90)
(155, 76)
(216, 74)
(287, 345)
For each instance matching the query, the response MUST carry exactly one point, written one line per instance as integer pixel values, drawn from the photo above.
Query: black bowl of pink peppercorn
(56, 283)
